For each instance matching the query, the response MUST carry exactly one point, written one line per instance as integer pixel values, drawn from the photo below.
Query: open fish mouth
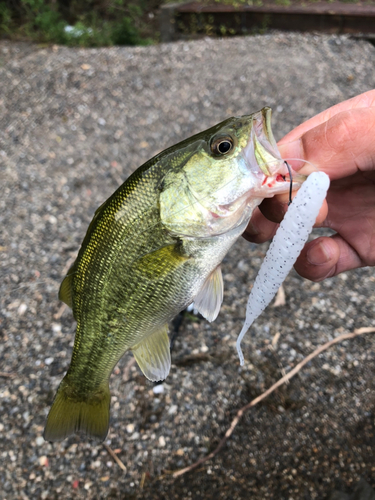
(262, 148)
(263, 152)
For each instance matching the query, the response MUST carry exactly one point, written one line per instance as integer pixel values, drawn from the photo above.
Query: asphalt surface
(73, 125)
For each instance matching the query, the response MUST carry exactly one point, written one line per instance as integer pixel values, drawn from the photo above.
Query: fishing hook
(291, 182)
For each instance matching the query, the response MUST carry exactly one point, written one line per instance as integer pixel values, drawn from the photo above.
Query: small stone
(161, 441)
(56, 327)
(130, 428)
(48, 361)
(172, 410)
(22, 309)
(39, 441)
(158, 389)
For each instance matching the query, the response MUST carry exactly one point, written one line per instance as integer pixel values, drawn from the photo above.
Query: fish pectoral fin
(160, 262)
(70, 413)
(153, 355)
(65, 292)
(209, 299)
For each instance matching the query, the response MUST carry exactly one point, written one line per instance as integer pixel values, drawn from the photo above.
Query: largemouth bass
(154, 247)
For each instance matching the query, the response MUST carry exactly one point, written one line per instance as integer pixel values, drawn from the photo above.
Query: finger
(340, 147)
(365, 100)
(275, 208)
(259, 228)
(326, 257)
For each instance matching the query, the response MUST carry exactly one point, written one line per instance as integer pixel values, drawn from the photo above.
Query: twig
(69, 263)
(7, 374)
(142, 483)
(60, 312)
(280, 297)
(288, 376)
(115, 457)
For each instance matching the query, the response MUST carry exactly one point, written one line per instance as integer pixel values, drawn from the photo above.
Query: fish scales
(154, 247)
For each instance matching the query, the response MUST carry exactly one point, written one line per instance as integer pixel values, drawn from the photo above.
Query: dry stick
(60, 311)
(115, 457)
(288, 376)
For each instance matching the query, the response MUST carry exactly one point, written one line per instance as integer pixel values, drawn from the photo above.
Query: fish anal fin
(65, 292)
(70, 413)
(153, 355)
(209, 299)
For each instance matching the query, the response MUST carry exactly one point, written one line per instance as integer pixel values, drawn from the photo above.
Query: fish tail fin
(72, 413)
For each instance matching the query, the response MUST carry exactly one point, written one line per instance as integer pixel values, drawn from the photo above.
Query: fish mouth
(266, 152)
(262, 152)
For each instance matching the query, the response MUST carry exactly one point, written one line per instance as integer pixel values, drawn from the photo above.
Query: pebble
(22, 309)
(172, 409)
(130, 428)
(158, 389)
(39, 441)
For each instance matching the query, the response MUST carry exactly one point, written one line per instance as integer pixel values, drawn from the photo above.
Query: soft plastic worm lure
(285, 248)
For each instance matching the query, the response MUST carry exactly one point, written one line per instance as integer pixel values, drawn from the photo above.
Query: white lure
(285, 248)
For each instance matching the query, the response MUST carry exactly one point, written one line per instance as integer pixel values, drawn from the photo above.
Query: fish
(152, 249)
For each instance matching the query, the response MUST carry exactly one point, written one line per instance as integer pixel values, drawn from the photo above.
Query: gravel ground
(74, 124)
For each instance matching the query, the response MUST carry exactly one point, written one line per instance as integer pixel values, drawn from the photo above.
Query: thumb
(326, 257)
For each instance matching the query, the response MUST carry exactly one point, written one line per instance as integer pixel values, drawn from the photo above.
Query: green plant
(5, 18)
(125, 33)
(85, 23)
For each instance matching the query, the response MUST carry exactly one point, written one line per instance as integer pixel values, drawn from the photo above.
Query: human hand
(341, 142)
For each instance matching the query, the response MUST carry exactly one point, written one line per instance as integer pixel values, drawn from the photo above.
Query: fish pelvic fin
(209, 299)
(153, 355)
(70, 413)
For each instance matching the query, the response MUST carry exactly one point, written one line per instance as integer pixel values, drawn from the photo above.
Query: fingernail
(318, 254)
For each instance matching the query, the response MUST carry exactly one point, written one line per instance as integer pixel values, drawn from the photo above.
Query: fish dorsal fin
(65, 292)
(209, 299)
(153, 355)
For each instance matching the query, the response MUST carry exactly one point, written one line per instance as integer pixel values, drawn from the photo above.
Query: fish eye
(222, 145)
